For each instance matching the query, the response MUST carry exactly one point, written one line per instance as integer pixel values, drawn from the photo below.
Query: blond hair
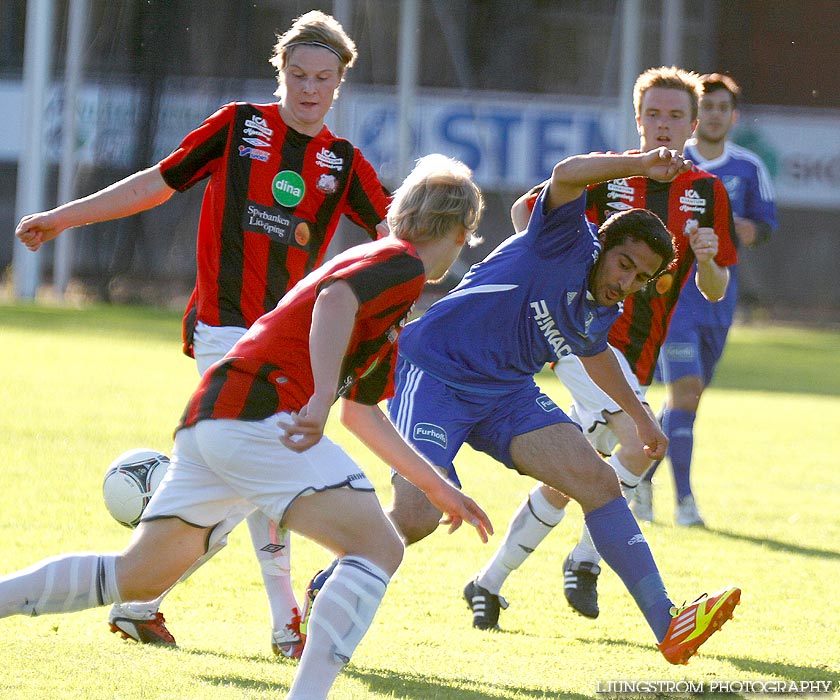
(672, 78)
(315, 28)
(437, 194)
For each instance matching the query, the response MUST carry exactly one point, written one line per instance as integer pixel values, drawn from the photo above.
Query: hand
(36, 229)
(703, 241)
(746, 231)
(306, 427)
(382, 229)
(664, 165)
(457, 507)
(654, 440)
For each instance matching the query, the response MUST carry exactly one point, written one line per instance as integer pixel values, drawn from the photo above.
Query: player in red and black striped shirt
(269, 370)
(271, 206)
(252, 437)
(278, 181)
(692, 196)
(695, 208)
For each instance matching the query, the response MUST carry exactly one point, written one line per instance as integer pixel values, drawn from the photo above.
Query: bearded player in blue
(466, 370)
(466, 375)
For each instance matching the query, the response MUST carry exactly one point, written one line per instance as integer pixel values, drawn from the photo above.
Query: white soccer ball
(130, 481)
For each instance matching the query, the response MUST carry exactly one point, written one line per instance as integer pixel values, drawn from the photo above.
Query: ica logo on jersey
(691, 201)
(327, 159)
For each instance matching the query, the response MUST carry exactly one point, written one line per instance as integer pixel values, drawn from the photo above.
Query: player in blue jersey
(695, 208)
(698, 329)
(466, 369)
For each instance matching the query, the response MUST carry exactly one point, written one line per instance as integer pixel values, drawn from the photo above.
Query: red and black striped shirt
(641, 329)
(272, 203)
(269, 370)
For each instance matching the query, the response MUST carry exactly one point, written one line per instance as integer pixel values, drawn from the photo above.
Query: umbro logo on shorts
(273, 548)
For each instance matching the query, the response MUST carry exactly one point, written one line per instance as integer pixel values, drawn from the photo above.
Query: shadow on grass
(388, 683)
(785, 547)
(402, 685)
(763, 670)
(788, 672)
(776, 545)
(421, 687)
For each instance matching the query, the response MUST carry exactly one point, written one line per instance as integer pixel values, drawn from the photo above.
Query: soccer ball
(130, 481)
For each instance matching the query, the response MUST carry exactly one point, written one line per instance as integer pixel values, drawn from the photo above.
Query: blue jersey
(525, 304)
(750, 191)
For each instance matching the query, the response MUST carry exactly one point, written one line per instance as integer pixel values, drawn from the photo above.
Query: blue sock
(619, 541)
(679, 427)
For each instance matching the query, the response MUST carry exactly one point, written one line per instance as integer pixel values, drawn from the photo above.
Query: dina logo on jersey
(429, 433)
(288, 188)
(546, 404)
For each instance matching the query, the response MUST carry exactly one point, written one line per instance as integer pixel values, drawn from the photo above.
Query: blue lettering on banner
(428, 432)
(506, 144)
(458, 129)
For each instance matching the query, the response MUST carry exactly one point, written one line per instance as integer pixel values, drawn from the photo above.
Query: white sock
(585, 549)
(341, 614)
(60, 584)
(272, 547)
(627, 479)
(533, 520)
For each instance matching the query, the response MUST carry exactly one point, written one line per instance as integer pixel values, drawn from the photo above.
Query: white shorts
(590, 404)
(211, 343)
(222, 470)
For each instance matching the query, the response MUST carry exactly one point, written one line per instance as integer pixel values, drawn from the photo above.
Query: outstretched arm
(571, 176)
(374, 429)
(136, 193)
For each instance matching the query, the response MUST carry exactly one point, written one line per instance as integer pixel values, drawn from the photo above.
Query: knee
(411, 512)
(598, 484)
(394, 554)
(413, 525)
(387, 552)
(605, 480)
(138, 583)
(684, 394)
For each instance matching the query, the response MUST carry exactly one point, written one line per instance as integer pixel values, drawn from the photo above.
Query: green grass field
(77, 387)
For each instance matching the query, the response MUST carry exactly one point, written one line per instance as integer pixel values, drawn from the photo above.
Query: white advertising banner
(511, 141)
(801, 150)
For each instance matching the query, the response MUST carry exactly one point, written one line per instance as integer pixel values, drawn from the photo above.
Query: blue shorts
(691, 351)
(437, 418)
